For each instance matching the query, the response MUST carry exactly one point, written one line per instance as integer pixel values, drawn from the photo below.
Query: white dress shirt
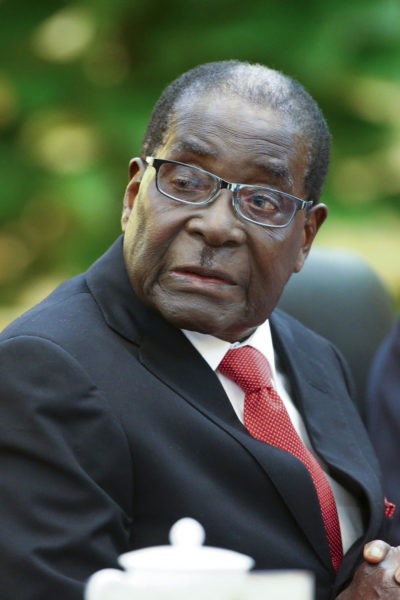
(213, 350)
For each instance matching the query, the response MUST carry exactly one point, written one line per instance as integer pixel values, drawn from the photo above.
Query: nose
(217, 222)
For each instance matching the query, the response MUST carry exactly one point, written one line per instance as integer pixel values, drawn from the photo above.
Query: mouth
(203, 276)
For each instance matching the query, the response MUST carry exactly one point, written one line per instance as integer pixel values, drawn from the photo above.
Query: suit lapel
(180, 366)
(167, 353)
(333, 425)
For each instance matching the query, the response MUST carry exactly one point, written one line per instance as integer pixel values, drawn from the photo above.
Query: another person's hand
(378, 576)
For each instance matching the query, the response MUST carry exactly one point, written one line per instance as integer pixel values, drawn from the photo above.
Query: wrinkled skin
(204, 268)
(378, 578)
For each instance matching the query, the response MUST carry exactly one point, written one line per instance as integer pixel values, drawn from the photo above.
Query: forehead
(233, 131)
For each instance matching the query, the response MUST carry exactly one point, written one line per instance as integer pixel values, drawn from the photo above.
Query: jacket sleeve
(64, 508)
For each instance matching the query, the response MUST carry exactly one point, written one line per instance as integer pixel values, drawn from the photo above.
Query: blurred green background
(77, 84)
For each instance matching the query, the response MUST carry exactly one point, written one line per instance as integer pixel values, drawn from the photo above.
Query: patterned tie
(266, 418)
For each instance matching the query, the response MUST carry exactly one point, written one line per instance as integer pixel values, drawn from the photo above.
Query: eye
(260, 200)
(185, 182)
(181, 181)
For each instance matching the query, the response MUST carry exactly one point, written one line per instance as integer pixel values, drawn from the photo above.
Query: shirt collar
(213, 349)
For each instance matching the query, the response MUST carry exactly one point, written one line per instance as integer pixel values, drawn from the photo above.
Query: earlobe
(136, 170)
(314, 219)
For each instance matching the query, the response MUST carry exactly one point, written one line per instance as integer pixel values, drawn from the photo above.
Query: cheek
(276, 258)
(138, 243)
(151, 229)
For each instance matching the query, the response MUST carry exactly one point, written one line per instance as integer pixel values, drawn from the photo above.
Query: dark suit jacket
(113, 427)
(383, 419)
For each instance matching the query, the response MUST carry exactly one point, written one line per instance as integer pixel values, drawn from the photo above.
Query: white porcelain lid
(185, 553)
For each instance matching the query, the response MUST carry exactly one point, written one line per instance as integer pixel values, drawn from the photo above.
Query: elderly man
(162, 383)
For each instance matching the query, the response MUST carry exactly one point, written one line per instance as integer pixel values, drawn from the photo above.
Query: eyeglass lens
(192, 185)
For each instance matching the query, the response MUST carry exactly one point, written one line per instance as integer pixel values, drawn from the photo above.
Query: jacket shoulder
(292, 337)
(285, 323)
(69, 308)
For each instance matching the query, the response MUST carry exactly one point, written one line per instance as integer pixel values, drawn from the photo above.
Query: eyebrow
(277, 171)
(194, 147)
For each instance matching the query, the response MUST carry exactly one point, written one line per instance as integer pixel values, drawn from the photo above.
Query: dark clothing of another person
(383, 416)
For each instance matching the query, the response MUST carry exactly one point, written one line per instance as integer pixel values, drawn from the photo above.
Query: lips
(203, 276)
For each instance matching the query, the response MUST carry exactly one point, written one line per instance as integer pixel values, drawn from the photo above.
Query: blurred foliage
(78, 81)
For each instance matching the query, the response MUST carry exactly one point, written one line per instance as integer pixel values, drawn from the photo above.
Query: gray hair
(261, 86)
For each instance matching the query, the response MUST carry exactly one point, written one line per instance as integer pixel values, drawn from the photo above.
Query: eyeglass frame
(233, 187)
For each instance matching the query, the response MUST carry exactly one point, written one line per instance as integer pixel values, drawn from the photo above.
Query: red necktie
(266, 418)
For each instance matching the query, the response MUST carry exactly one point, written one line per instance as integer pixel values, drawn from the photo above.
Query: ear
(136, 170)
(313, 221)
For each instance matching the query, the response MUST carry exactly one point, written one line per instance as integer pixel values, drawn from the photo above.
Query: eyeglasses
(254, 203)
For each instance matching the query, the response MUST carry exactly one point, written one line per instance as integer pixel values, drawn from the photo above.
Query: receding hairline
(242, 80)
(261, 86)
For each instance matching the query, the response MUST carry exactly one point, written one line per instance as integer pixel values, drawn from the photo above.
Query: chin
(231, 323)
(198, 322)
(203, 323)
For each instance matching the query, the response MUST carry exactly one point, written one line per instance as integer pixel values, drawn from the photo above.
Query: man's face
(202, 267)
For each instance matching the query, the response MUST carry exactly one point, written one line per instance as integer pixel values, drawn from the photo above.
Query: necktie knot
(247, 367)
